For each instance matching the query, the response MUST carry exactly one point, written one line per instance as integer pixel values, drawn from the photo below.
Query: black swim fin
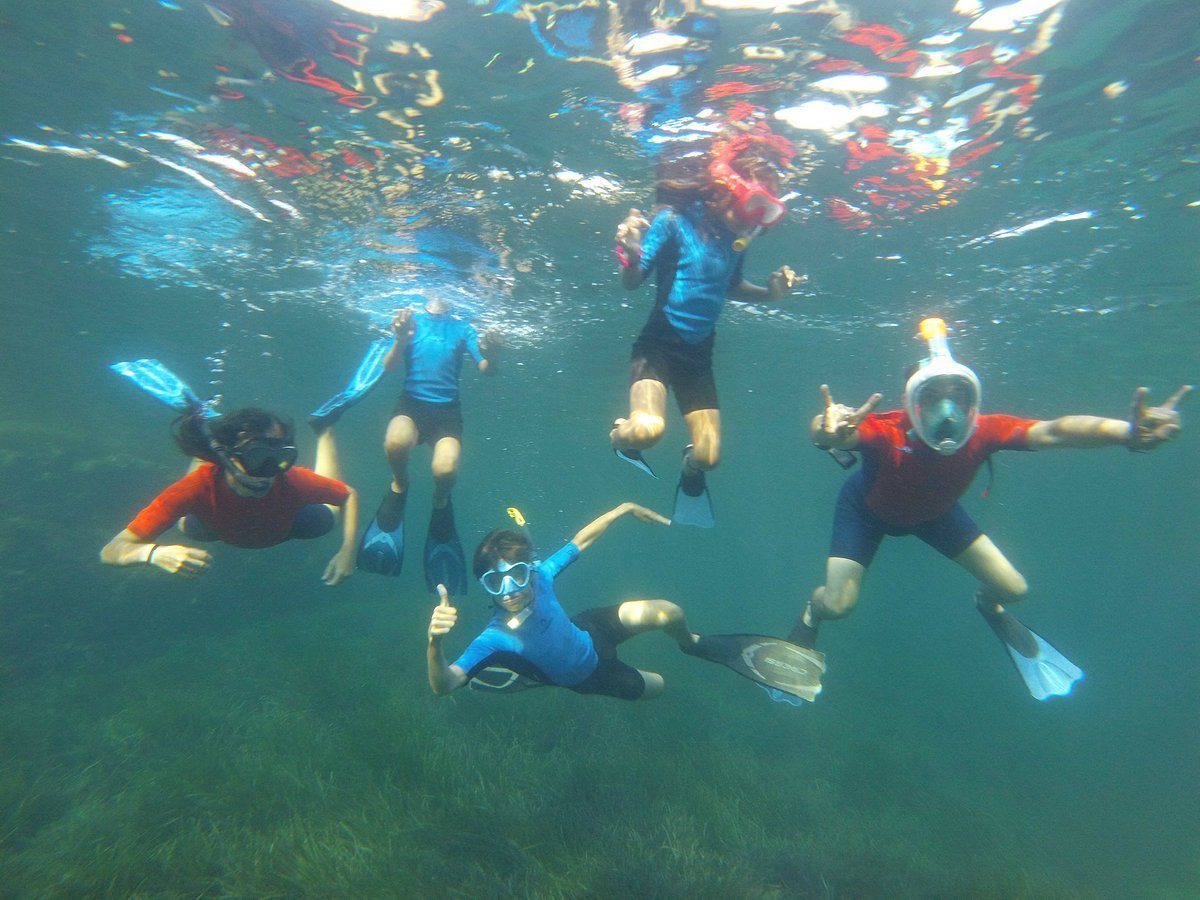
(500, 680)
(381, 549)
(444, 560)
(770, 661)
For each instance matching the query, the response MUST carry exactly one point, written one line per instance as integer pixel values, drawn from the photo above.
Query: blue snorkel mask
(942, 397)
(506, 578)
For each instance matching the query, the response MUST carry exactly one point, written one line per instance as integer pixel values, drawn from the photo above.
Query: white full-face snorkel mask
(942, 397)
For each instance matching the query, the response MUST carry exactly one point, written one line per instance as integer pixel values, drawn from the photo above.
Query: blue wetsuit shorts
(858, 532)
(434, 421)
(312, 521)
(661, 354)
(611, 677)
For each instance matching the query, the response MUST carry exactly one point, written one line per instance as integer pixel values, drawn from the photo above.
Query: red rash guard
(910, 483)
(240, 521)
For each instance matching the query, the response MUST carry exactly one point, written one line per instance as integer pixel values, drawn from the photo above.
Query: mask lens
(265, 459)
(945, 406)
(506, 578)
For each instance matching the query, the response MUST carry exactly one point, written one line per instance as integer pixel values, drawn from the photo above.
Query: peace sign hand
(1151, 426)
(838, 422)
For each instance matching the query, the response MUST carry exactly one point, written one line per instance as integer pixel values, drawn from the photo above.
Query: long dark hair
(196, 435)
(501, 543)
(684, 179)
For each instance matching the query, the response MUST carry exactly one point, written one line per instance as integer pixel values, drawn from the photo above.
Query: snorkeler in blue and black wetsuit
(430, 343)
(695, 247)
(531, 642)
(532, 637)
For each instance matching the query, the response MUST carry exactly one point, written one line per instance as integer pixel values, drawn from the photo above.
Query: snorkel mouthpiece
(741, 243)
(942, 397)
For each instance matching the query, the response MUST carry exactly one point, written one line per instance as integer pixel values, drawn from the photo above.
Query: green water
(256, 734)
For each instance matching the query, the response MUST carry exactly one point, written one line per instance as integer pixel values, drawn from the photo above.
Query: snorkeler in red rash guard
(918, 462)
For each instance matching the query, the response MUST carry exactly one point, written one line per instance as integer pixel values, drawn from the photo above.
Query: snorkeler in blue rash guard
(530, 634)
(695, 247)
(430, 343)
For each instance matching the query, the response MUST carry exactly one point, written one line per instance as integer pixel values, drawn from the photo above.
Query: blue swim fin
(444, 560)
(381, 549)
(693, 506)
(365, 377)
(1045, 671)
(161, 383)
(781, 697)
(635, 459)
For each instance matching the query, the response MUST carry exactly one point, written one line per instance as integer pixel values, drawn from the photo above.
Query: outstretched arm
(443, 678)
(1146, 428)
(127, 549)
(341, 566)
(589, 533)
(837, 426)
(779, 285)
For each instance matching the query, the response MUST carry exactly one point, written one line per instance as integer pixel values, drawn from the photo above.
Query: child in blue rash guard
(430, 344)
(531, 634)
(695, 246)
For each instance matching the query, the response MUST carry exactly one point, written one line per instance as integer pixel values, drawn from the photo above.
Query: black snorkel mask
(249, 463)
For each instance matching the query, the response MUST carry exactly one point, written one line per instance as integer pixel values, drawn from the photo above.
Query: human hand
(340, 568)
(492, 341)
(782, 280)
(631, 231)
(642, 514)
(444, 615)
(178, 559)
(403, 324)
(839, 422)
(1151, 426)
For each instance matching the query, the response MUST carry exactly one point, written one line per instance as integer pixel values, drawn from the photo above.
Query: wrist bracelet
(150, 555)
(622, 256)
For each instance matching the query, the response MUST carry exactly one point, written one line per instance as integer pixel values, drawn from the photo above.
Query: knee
(397, 442)
(1006, 588)
(444, 470)
(663, 612)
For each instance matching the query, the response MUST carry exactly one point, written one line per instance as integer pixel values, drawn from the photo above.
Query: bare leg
(446, 453)
(837, 597)
(654, 685)
(327, 463)
(704, 426)
(1000, 582)
(640, 616)
(647, 417)
(398, 444)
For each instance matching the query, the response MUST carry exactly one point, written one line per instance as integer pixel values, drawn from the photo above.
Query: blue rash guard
(696, 265)
(557, 650)
(433, 358)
